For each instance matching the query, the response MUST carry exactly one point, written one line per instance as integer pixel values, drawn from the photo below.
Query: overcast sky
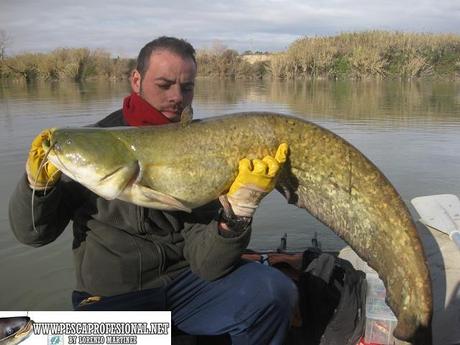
(123, 27)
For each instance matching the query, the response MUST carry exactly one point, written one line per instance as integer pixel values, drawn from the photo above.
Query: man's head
(165, 75)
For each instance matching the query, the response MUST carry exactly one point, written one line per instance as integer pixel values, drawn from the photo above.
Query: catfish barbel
(182, 166)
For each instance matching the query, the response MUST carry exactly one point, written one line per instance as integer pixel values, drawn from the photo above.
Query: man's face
(168, 83)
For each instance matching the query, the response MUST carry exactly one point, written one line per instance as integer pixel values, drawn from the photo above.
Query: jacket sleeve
(210, 254)
(50, 212)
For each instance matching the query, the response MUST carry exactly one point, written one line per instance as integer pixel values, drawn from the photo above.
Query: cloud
(122, 27)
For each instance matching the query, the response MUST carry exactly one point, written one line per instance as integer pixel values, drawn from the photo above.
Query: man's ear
(136, 80)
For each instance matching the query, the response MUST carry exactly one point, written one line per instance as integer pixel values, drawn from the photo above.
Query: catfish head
(14, 330)
(94, 157)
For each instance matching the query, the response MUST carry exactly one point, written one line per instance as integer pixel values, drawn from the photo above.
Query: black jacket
(120, 247)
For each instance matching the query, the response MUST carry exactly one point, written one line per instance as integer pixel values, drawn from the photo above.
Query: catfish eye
(57, 147)
(10, 330)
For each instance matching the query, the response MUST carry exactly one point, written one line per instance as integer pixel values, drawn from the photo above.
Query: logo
(55, 340)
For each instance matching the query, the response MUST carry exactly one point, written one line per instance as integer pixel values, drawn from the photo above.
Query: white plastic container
(380, 320)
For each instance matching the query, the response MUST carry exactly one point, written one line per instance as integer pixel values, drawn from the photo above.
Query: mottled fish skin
(14, 330)
(326, 175)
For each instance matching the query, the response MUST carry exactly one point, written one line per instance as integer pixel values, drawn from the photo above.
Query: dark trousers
(253, 304)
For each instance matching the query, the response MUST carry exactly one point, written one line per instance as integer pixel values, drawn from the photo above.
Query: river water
(410, 130)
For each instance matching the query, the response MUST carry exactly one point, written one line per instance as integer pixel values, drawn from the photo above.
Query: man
(133, 258)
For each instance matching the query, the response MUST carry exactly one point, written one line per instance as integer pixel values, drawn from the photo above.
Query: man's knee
(268, 307)
(282, 291)
(275, 290)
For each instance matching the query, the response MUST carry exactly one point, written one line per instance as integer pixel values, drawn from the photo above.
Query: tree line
(372, 54)
(360, 55)
(76, 64)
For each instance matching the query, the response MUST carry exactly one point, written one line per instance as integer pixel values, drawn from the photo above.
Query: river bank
(355, 56)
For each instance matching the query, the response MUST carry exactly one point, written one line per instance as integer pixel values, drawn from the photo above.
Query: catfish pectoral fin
(114, 183)
(161, 200)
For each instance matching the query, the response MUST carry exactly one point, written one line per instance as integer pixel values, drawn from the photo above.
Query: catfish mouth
(51, 155)
(24, 331)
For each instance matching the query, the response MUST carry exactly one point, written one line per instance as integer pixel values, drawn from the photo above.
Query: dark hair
(175, 45)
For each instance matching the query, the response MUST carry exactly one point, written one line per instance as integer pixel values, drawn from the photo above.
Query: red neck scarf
(137, 112)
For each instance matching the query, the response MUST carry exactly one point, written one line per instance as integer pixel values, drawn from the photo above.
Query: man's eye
(163, 86)
(187, 88)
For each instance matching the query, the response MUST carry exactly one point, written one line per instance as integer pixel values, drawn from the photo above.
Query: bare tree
(5, 40)
(218, 47)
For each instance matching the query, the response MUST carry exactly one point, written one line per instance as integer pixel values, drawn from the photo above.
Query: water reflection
(340, 100)
(395, 102)
(62, 92)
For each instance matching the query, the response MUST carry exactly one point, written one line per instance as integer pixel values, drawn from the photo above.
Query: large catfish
(183, 166)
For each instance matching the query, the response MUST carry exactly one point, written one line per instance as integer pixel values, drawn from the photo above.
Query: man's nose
(176, 94)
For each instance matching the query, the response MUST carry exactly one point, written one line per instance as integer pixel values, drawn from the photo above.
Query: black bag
(332, 297)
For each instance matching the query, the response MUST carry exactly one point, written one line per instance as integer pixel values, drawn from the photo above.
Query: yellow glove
(255, 180)
(48, 175)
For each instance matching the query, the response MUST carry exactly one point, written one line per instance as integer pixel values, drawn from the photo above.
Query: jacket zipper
(140, 225)
(142, 230)
(161, 255)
